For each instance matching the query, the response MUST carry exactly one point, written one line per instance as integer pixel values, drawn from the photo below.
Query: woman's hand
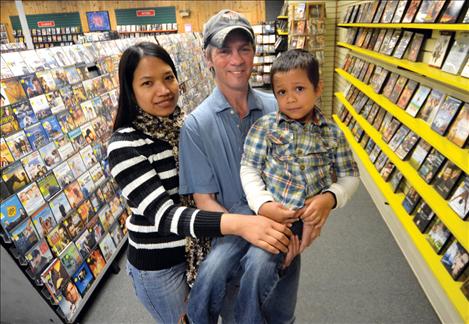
(258, 230)
(316, 210)
(277, 212)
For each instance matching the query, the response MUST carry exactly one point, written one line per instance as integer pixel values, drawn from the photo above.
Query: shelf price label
(49, 23)
(146, 13)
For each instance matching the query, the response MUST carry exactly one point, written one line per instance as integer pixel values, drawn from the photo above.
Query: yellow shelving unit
(424, 69)
(450, 287)
(452, 27)
(282, 17)
(459, 156)
(444, 293)
(458, 227)
(282, 33)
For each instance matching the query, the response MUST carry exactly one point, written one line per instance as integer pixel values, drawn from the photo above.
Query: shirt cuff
(261, 199)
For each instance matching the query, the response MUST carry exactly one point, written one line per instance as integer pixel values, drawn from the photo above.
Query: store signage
(46, 23)
(146, 13)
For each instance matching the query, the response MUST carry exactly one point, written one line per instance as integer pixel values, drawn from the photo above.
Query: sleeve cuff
(261, 199)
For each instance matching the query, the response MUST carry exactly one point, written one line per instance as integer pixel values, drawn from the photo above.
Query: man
(38, 261)
(211, 146)
(72, 296)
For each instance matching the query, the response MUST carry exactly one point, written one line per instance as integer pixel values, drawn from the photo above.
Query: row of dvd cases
(404, 107)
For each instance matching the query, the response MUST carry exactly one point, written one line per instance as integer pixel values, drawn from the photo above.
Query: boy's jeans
(256, 301)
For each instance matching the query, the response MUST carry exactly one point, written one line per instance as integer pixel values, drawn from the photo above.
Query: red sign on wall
(146, 13)
(46, 23)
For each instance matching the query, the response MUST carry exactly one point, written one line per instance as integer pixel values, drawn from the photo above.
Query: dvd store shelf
(97, 280)
(149, 31)
(455, 224)
(457, 154)
(450, 27)
(407, 62)
(450, 287)
(420, 68)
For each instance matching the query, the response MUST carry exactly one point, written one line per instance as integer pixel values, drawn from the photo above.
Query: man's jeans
(257, 300)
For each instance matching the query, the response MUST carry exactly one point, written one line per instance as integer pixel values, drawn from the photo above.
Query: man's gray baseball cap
(219, 26)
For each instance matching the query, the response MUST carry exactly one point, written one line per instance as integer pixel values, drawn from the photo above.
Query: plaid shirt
(297, 161)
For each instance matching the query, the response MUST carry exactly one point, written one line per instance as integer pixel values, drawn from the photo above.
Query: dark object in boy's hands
(297, 228)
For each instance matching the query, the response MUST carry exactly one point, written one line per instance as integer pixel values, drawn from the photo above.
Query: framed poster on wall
(98, 21)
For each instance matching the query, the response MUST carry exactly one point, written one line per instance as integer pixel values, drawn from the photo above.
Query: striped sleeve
(148, 199)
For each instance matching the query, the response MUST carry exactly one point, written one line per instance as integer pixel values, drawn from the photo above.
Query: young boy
(295, 158)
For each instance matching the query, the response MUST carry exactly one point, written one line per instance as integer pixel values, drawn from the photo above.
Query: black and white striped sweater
(145, 170)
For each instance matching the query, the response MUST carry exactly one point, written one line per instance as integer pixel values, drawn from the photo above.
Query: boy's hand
(293, 251)
(296, 247)
(316, 210)
(277, 212)
(310, 233)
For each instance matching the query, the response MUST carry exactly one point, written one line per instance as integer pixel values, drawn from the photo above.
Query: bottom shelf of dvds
(443, 292)
(98, 280)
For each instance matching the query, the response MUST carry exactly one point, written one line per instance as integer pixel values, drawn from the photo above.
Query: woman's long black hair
(127, 108)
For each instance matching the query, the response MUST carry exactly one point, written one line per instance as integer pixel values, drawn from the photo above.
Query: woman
(143, 153)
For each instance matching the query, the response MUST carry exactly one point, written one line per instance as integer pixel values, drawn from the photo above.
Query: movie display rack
(50, 36)
(265, 54)
(281, 28)
(307, 28)
(405, 113)
(62, 215)
(97, 37)
(12, 47)
(3, 34)
(132, 31)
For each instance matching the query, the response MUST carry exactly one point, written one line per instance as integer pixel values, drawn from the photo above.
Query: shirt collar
(318, 118)
(222, 104)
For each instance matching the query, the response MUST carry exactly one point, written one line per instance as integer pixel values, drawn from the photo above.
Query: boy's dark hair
(296, 59)
(127, 107)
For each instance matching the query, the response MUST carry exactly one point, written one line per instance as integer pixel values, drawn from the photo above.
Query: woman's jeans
(232, 257)
(162, 292)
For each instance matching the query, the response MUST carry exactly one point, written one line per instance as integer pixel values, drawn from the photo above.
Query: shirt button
(232, 112)
(302, 167)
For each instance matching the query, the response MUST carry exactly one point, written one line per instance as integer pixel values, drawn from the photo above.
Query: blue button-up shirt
(211, 146)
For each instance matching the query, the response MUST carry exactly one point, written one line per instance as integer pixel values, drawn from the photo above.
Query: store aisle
(354, 273)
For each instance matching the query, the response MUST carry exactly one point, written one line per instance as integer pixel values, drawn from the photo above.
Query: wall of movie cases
(59, 210)
(378, 94)
(61, 213)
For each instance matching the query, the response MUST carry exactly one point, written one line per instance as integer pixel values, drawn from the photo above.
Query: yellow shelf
(282, 17)
(451, 288)
(282, 33)
(418, 67)
(453, 152)
(458, 227)
(455, 27)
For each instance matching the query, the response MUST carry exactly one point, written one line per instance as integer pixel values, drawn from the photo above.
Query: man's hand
(316, 210)
(277, 212)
